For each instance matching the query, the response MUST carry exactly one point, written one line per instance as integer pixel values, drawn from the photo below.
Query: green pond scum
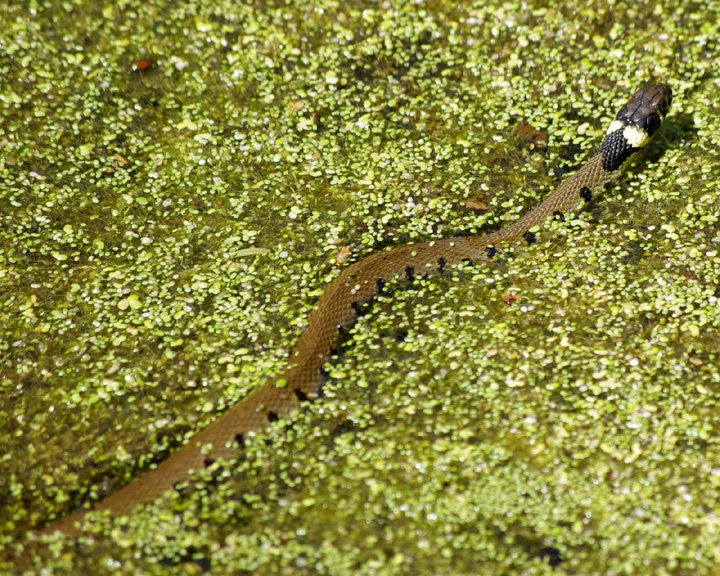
(179, 180)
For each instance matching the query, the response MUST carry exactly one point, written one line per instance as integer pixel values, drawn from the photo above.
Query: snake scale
(339, 306)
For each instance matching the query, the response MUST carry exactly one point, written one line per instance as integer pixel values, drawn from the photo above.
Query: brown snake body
(338, 308)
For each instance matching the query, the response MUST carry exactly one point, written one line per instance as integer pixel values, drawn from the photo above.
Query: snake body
(339, 306)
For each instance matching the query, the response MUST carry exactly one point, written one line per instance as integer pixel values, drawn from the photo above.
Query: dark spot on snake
(529, 237)
(208, 462)
(380, 284)
(410, 273)
(490, 251)
(240, 440)
(300, 395)
(272, 417)
(468, 262)
(441, 264)
(557, 215)
(586, 193)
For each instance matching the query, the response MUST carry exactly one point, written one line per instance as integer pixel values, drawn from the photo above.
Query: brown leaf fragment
(342, 256)
(529, 134)
(473, 205)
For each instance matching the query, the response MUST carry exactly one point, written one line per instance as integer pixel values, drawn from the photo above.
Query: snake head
(635, 125)
(644, 113)
(647, 109)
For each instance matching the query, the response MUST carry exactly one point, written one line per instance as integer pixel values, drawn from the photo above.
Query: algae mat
(178, 181)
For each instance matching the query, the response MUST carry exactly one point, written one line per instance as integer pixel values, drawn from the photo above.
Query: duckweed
(166, 229)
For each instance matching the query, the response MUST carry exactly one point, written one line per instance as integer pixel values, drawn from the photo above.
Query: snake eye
(665, 103)
(649, 124)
